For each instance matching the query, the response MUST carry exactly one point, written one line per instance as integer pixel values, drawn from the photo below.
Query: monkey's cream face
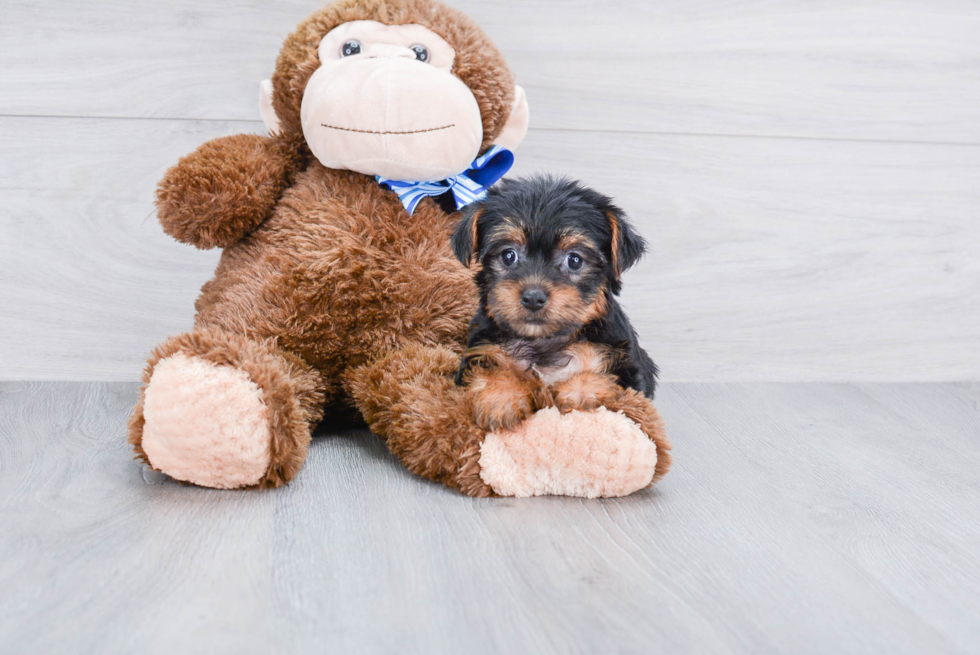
(385, 102)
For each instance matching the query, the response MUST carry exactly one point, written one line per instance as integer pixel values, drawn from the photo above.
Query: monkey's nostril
(534, 299)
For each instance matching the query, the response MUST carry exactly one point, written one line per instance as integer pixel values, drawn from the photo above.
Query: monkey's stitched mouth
(350, 129)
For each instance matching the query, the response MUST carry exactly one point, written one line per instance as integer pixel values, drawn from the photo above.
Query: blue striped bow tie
(467, 187)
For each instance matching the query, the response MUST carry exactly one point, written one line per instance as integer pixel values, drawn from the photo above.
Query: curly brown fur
(339, 274)
(409, 399)
(324, 266)
(292, 391)
(207, 203)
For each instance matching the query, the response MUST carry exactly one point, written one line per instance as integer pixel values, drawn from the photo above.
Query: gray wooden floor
(800, 518)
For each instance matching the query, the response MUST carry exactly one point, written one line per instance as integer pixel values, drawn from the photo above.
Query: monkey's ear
(265, 108)
(516, 127)
(626, 245)
(466, 237)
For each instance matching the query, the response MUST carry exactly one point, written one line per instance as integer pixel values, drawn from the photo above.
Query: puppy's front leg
(592, 385)
(586, 391)
(502, 393)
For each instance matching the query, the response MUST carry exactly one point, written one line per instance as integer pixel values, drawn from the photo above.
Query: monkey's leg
(220, 410)
(410, 399)
(638, 408)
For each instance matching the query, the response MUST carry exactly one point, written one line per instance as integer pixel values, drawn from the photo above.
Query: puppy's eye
(574, 261)
(352, 47)
(420, 52)
(508, 257)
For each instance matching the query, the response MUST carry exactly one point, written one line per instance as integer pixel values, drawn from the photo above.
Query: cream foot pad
(588, 454)
(205, 424)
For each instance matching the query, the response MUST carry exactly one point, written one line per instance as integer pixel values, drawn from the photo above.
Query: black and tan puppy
(549, 254)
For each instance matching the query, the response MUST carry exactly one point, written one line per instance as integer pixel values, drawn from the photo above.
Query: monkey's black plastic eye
(508, 257)
(574, 261)
(420, 52)
(352, 47)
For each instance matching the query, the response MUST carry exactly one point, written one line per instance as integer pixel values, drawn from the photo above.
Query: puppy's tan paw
(586, 391)
(501, 398)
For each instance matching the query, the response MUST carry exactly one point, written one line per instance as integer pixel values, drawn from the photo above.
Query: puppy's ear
(466, 237)
(626, 245)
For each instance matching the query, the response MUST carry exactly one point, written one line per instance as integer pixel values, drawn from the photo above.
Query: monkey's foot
(218, 410)
(590, 454)
(205, 424)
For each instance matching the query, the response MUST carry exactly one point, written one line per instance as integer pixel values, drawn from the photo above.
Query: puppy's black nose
(534, 298)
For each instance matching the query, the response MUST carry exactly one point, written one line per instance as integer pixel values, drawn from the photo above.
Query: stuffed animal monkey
(337, 296)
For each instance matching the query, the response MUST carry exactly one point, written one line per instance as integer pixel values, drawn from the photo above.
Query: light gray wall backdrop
(808, 174)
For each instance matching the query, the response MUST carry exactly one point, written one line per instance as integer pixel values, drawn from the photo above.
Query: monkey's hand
(219, 193)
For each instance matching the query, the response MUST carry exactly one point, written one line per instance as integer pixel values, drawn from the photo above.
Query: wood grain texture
(771, 259)
(906, 70)
(803, 518)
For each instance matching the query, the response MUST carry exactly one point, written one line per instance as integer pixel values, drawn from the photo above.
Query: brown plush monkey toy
(332, 300)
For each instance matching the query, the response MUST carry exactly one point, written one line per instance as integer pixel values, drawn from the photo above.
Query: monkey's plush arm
(219, 193)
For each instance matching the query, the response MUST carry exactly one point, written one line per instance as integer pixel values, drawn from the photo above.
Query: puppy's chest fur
(555, 359)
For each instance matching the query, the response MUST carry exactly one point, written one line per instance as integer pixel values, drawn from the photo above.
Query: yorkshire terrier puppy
(549, 254)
